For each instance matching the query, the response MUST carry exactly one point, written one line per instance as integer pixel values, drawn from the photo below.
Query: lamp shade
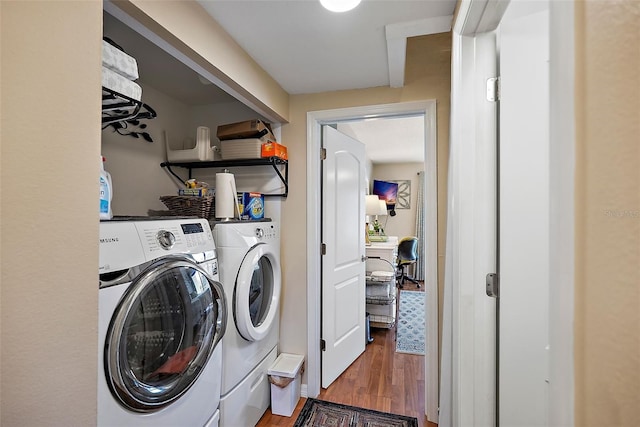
(372, 205)
(382, 207)
(339, 5)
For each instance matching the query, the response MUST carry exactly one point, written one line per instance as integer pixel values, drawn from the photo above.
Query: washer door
(257, 293)
(162, 334)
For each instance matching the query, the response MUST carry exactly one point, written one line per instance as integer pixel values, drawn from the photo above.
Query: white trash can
(285, 375)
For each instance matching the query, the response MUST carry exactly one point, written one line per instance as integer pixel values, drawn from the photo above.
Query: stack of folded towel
(119, 71)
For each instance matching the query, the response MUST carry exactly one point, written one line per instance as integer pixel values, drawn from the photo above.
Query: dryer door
(162, 334)
(256, 296)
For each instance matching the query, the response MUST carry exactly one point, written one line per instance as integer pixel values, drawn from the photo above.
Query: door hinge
(323, 154)
(323, 249)
(493, 285)
(493, 89)
(323, 345)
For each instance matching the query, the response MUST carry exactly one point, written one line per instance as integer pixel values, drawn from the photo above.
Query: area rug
(410, 335)
(319, 413)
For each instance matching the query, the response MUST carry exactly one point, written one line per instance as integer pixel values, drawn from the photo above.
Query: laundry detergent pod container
(285, 375)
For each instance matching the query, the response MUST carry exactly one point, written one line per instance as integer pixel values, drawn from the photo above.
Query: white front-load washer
(249, 257)
(162, 316)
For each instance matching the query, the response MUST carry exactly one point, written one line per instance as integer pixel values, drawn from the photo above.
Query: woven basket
(189, 205)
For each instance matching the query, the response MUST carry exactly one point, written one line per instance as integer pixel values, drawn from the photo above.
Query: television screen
(387, 191)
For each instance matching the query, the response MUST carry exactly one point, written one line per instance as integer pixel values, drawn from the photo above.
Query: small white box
(284, 399)
(200, 153)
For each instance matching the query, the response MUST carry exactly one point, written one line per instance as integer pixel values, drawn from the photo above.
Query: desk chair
(407, 255)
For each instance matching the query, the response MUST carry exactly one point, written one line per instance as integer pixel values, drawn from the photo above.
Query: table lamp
(372, 207)
(382, 210)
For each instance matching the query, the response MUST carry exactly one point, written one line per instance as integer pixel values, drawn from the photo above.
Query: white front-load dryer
(249, 257)
(162, 316)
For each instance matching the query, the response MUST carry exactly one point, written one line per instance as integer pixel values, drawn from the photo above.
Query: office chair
(407, 255)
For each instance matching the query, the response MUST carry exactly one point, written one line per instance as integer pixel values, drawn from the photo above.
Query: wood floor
(379, 379)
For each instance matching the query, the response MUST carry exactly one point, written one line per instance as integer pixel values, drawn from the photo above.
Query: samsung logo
(109, 240)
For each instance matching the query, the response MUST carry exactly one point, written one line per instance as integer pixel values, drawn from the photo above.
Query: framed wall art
(403, 198)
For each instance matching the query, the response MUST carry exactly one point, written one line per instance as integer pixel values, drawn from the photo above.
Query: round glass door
(162, 334)
(257, 293)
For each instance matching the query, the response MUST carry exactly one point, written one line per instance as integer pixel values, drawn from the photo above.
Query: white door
(524, 214)
(343, 268)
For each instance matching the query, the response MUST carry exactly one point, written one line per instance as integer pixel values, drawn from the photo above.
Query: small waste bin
(284, 376)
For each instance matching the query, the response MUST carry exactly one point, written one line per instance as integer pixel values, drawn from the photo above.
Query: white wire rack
(381, 293)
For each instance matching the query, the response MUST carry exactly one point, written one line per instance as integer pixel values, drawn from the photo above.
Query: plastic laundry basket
(284, 376)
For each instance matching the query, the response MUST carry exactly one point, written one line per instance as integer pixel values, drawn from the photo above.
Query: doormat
(410, 333)
(320, 413)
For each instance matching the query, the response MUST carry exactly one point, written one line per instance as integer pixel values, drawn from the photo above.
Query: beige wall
(607, 288)
(50, 130)
(50, 68)
(50, 139)
(428, 76)
(404, 223)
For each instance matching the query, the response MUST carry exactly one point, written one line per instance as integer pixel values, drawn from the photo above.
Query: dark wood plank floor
(379, 379)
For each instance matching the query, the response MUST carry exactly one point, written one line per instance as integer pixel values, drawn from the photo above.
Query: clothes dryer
(249, 256)
(162, 316)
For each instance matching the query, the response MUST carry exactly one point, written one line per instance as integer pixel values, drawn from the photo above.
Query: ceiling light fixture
(339, 5)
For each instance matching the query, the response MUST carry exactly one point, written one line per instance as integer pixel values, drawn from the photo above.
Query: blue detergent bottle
(105, 192)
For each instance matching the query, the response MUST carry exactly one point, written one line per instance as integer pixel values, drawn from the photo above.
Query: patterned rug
(411, 331)
(319, 413)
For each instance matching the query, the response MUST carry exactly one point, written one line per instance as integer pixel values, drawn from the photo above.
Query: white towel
(116, 82)
(118, 61)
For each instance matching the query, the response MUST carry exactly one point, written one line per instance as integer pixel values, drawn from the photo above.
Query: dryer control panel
(266, 232)
(245, 234)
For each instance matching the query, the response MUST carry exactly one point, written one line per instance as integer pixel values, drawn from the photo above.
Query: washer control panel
(160, 238)
(166, 239)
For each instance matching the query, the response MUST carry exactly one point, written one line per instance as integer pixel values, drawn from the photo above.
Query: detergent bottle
(105, 192)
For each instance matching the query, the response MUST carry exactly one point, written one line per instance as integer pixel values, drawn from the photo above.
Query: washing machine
(162, 316)
(249, 259)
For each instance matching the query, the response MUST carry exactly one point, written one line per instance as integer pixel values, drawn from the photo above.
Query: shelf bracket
(168, 166)
(117, 107)
(285, 179)
(275, 162)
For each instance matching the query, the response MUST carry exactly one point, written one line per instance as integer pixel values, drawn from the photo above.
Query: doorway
(468, 342)
(314, 122)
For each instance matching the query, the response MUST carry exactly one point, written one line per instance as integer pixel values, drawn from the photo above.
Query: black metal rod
(273, 161)
(168, 166)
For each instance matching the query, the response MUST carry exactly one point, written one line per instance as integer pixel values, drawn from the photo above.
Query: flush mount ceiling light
(339, 5)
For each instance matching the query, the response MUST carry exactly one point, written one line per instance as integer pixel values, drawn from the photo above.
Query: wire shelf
(381, 321)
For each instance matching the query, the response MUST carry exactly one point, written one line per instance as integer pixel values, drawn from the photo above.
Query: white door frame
(474, 18)
(315, 119)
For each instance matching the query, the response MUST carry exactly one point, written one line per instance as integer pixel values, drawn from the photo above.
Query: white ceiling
(308, 49)
(389, 140)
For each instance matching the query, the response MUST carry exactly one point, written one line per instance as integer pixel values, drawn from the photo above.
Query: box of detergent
(251, 205)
